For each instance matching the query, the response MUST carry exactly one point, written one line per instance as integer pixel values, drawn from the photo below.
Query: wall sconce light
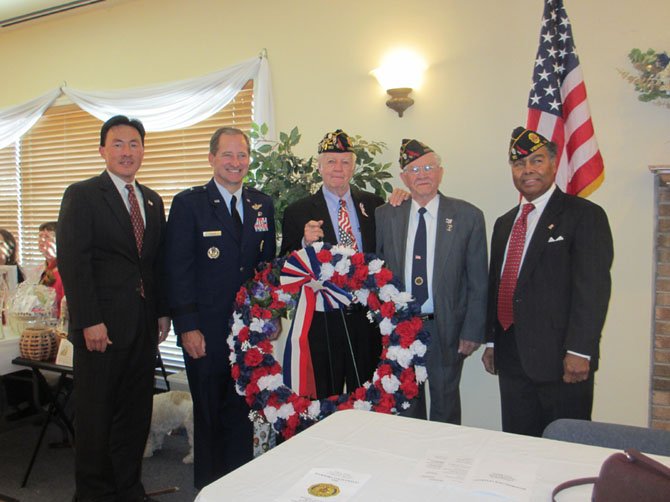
(400, 73)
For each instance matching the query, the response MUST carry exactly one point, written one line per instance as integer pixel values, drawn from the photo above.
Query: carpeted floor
(52, 476)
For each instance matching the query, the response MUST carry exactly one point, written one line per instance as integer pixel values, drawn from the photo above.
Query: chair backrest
(616, 436)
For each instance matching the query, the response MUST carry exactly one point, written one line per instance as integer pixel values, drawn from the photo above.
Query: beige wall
(475, 91)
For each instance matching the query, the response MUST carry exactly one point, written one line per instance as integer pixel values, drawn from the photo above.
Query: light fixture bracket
(400, 99)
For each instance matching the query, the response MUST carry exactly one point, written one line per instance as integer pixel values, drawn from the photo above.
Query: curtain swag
(164, 107)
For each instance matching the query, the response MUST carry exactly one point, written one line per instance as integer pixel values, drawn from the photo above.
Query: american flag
(557, 105)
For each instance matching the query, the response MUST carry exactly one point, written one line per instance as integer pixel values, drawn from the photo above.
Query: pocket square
(557, 239)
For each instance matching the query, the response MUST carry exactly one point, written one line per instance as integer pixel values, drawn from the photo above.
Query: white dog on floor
(172, 410)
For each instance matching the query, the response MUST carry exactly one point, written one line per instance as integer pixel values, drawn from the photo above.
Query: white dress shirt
(227, 197)
(120, 185)
(430, 217)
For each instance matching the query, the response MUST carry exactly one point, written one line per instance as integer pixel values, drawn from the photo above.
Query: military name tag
(211, 233)
(213, 253)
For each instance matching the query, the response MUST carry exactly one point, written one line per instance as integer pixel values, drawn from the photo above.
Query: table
(9, 349)
(57, 400)
(389, 448)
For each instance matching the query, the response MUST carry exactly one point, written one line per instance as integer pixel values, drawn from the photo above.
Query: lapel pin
(150, 202)
(216, 201)
(256, 207)
(551, 227)
(450, 224)
(363, 210)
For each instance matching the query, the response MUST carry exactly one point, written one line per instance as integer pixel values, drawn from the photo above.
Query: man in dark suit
(216, 235)
(436, 245)
(338, 213)
(110, 233)
(549, 288)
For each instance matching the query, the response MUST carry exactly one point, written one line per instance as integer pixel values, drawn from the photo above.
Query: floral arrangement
(259, 303)
(653, 79)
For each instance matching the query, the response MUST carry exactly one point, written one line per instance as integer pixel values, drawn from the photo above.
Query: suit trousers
(528, 406)
(223, 433)
(331, 345)
(113, 400)
(443, 385)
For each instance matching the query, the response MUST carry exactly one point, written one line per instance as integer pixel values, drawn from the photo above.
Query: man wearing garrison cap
(549, 288)
(436, 245)
(338, 213)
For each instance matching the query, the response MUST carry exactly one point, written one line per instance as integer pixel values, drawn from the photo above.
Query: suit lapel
(321, 213)
(445, 228)
(540, 236)
(152, 225)
(499, 244)
(365, 219)
(400, 237)
(113, 199)
(220, 210)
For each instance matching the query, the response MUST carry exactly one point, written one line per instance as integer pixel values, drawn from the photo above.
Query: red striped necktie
(345, 233)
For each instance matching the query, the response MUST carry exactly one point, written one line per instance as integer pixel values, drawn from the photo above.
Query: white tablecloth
(9, 349)
(390, 447)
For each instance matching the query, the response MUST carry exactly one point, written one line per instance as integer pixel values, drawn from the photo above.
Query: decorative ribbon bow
(302, 268)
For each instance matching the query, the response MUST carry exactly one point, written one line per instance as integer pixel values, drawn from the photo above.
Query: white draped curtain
(165, 107)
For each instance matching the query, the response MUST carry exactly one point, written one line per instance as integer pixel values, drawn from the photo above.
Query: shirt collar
(431, 207)
(119, 183)
(227, 195)
(334, 198)
(542, 200)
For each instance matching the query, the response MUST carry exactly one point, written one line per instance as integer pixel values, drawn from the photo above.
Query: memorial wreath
(323, 277)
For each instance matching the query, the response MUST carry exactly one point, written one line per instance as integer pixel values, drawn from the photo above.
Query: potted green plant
(286, 177)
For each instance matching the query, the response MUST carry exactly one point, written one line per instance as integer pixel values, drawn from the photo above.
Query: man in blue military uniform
(216, 235)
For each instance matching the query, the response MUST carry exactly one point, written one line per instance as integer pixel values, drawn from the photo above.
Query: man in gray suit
(436, 246)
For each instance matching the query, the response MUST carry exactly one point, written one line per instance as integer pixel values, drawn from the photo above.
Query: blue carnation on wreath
(261, 302)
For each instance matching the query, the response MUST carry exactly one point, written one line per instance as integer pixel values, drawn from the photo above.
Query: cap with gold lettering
(336, 142)
(412, 149)
(524, 142)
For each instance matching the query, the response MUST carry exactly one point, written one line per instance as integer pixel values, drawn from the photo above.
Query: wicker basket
(38, 344)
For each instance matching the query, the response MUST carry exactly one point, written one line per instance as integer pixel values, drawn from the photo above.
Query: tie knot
(130, 187)
(422, 211)
(527, 208)
(343, 203)
(233, 201)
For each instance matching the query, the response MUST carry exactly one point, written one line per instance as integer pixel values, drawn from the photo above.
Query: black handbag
(626, 477)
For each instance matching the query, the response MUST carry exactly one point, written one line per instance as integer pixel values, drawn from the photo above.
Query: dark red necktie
(511, 271)
(138, 224)
(136, 217)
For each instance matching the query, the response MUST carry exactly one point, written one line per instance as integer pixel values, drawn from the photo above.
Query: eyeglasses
(417, 169)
